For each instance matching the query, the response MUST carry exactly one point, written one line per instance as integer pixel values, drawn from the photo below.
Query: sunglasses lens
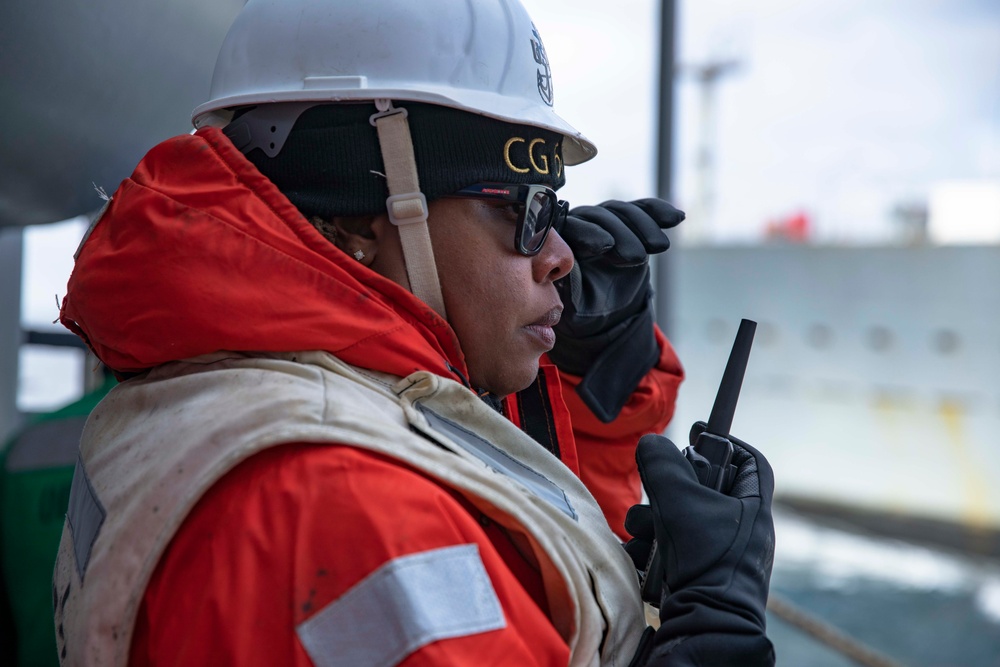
(537, 220)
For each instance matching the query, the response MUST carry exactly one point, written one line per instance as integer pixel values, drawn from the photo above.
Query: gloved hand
(717, 550)
(606, 331)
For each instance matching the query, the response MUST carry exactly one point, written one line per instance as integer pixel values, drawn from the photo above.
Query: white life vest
(156, 444)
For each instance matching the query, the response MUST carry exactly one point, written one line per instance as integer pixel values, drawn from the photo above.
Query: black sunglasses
(538, 209)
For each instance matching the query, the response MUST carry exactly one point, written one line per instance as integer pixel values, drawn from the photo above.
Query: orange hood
(198, 252)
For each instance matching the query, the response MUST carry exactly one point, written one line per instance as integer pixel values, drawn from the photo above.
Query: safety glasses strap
(406, 205)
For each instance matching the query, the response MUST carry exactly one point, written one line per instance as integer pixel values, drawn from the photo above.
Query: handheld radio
(712, 452)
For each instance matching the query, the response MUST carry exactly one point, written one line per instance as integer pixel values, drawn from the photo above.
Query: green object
(36, 470)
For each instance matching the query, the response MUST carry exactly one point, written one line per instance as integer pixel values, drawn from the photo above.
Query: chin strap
(406, 205)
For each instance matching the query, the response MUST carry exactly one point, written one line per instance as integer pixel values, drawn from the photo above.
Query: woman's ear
(353, 235)
(390, 262)
(371, 240)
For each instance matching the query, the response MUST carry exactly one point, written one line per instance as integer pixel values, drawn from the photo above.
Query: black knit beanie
(331, 164)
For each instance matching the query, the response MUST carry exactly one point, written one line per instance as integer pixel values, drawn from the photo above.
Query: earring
(359, 255)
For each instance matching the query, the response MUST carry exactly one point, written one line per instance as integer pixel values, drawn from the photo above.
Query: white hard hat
(483, 57)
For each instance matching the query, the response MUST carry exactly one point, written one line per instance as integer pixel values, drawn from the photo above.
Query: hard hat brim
(576, 148)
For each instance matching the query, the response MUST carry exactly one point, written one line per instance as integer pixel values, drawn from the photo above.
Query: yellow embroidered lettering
(506, 155)
(544, 158)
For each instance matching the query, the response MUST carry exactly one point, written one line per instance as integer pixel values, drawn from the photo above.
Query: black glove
(717, 551)
(606, 332)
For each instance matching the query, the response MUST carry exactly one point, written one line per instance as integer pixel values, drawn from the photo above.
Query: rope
(827, 634)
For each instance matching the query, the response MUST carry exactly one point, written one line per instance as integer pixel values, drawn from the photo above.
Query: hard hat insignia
(544, 74)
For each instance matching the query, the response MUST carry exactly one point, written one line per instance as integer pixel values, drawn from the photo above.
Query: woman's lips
(542, 327)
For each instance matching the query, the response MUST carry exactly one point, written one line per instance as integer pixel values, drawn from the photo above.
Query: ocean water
(914, 605)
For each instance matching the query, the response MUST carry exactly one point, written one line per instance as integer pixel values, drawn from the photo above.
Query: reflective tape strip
(85, 517)
(500, 461)
(50, 444)
(404, 605)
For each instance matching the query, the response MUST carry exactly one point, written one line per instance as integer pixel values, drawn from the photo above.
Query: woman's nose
(554, 260)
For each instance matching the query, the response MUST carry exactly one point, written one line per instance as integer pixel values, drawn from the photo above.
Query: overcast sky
(839, 109)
